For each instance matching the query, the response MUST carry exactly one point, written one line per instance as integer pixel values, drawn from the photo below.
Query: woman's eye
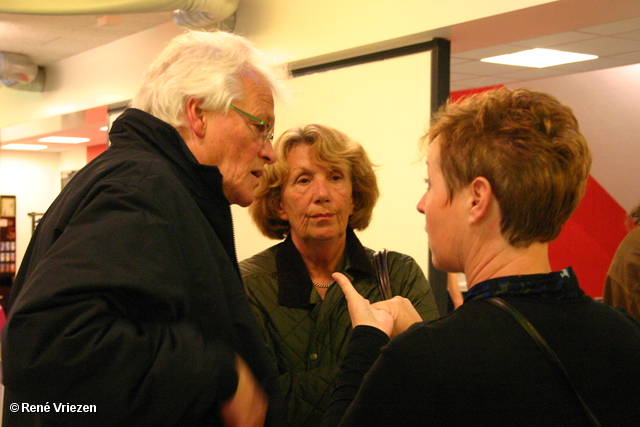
(335, 175)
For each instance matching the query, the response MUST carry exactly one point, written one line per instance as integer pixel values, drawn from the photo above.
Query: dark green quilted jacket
(308, 336)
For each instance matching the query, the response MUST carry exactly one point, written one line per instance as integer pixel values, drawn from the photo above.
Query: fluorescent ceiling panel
(539, 58)
(64, 140)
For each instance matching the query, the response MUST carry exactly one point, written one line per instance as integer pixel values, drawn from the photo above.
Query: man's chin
(240, 198)
(243, 202)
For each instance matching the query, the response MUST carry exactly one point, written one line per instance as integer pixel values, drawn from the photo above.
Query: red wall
(94, 150)
(459, 94)
(590, 237)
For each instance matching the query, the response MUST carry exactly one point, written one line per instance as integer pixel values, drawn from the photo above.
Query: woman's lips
(322, 216)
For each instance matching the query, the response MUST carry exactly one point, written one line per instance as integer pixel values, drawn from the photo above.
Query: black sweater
(479, 367)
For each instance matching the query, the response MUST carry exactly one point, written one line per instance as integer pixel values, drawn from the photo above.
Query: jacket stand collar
(294, 282)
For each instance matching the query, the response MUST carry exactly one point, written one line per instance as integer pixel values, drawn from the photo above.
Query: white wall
(73, 159)
(34, 179)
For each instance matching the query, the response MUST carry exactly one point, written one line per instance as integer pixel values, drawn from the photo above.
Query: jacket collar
(164, 138)
(203, 182)
(555, 285)
(294, 282)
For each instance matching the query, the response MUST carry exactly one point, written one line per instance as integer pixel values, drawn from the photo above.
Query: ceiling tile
(614, 27)
(630, 57)
(455, 60)
(534, 73)
(602, 46)
(460, 76)
(598, 64)
(480, 82)
(635, 35)
(36, 35)
(555, 39)
(488, 52)
(483, 68)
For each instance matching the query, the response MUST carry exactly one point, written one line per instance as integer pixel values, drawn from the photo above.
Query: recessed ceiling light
(64, 140)
(539, 58)
(31, 147)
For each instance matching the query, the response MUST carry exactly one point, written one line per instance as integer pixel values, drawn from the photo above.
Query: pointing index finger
(347, 288)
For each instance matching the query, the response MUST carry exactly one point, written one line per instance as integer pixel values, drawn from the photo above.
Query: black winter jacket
(129, 296)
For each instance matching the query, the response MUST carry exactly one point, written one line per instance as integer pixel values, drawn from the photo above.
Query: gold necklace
(323, 285)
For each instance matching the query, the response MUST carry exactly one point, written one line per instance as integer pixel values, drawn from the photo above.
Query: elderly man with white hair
(128, 308)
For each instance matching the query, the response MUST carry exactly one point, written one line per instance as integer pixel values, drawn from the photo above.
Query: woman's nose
(321, 190)
(420, 206)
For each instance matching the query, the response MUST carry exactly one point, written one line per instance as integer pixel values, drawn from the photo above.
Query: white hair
(206, 66)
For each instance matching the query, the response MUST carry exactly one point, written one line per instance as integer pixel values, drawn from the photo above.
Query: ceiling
(615, 43)
(50, 38)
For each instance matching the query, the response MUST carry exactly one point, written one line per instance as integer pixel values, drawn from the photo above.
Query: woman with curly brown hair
(321, 189)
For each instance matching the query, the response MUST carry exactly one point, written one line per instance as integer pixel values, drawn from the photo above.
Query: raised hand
(403, 312)
(361, 310)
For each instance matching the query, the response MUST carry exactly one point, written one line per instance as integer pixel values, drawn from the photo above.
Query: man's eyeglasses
(261, 127)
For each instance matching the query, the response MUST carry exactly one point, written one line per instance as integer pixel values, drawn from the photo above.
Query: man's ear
(195, 117)
(481, 198)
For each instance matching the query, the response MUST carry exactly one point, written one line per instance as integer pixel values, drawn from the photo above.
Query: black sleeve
(363, 350)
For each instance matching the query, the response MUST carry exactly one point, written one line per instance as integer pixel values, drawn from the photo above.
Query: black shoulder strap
(546, 349)
(384, 283)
